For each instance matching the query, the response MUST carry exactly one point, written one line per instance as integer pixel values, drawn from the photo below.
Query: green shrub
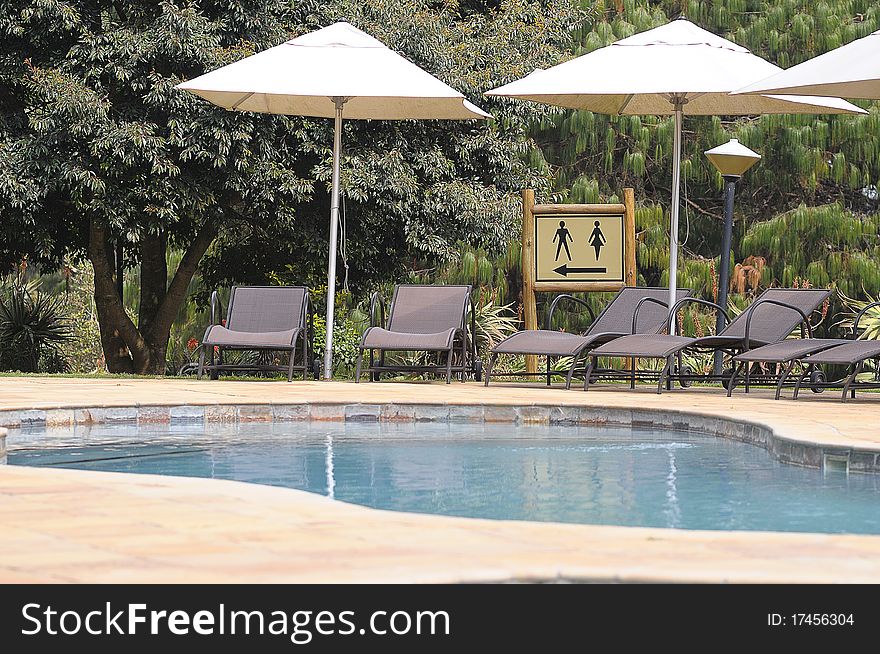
(33, 327)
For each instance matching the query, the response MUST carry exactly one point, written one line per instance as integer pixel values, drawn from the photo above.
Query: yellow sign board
(579, 247)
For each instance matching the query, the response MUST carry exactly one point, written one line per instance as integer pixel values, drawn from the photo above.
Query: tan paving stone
(67, 525)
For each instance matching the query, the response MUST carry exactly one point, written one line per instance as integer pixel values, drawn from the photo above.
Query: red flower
(223, 322)
(192, 344)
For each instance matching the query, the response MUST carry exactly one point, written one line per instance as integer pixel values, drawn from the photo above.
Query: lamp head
(733, 158)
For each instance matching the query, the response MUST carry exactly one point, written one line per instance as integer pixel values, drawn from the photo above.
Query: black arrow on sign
(564, 269)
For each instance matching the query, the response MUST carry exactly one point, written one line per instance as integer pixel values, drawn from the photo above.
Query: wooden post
(629, 235)
(629, 248)
(530, 309)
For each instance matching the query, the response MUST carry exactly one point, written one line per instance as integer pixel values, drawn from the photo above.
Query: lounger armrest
(652, 300)
(696, 300)
(473, 331)
(860, 315)
(565, 296)
(754, 307)
(309, 321)
(216, 308)
(377, 302)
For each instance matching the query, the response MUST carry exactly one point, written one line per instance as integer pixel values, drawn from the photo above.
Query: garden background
(124, 202)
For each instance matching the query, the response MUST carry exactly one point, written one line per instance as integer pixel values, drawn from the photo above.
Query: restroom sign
(580, 247)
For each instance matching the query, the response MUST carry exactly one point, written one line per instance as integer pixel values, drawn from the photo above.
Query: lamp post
(731, 159)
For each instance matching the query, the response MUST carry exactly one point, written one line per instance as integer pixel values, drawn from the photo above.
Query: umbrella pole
(673, 225)
(334, 231)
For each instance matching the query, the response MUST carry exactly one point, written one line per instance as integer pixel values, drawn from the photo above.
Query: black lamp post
(731, 159)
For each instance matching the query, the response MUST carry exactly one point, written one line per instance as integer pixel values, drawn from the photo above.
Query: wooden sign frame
(530, 286)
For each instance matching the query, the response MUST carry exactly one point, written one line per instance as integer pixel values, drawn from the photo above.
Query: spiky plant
(33, 327)
(869, 324)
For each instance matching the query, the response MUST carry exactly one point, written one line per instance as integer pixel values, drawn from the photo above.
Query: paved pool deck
(78, 526)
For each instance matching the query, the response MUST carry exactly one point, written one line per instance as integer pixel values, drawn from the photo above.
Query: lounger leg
(632, 373)
(357, 370)
(449, 365)
(748, 375)
(782, 377)
(489, 366)
(202, 362)
(664, 374)
(463, 359)
(733, 377)
(857, 368)
(800, 381)
(574, 361)
(548, 370)
(290, 365)
(588, 371)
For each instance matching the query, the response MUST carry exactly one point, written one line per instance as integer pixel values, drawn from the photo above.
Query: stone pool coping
(78, 526)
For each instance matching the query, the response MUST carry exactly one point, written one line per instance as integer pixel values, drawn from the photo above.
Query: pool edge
(784, 447)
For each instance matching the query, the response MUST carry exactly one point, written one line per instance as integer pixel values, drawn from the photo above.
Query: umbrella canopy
(645, 73)
(850, 71)
(675, 69)
(300, 77)
(335, 71)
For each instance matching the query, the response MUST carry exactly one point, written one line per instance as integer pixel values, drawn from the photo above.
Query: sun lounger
(811, 353)
(769, 319)
(853, 355)
(627, 313)
(422, 318)
(264, 319)
(785, 353)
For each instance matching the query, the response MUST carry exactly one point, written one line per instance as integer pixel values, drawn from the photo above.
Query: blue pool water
(564, 474)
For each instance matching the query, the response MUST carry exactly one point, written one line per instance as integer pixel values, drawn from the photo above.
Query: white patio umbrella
(676, 69)
(330, 73)
(850, 71)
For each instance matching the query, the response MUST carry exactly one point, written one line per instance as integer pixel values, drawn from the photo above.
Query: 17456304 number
(810, 620)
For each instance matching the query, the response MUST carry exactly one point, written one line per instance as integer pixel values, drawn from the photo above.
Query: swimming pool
(585, 474)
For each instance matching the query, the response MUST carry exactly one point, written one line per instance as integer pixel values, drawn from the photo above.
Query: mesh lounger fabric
(382, 339)
(222, 336)
(771, 323)
(422, 318)
(789, 350)
(614, 321)
(428, 309)
(265, 308)
(543, 341)
(847, 353)
(643, 345)
(260, 317)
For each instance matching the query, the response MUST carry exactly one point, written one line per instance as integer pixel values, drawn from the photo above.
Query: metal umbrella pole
(334, 232)
(678, 102)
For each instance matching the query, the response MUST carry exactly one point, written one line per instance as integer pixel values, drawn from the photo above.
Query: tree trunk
(157, 317)
(141, 349)
(154, 280)
(124, 348)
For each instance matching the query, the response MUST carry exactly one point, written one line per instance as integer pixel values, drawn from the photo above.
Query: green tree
(102, 158)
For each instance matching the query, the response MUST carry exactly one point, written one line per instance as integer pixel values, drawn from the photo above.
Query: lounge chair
(627, 313)
(811, 353)
(422, 318)
(263, 319)
(771, 318)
